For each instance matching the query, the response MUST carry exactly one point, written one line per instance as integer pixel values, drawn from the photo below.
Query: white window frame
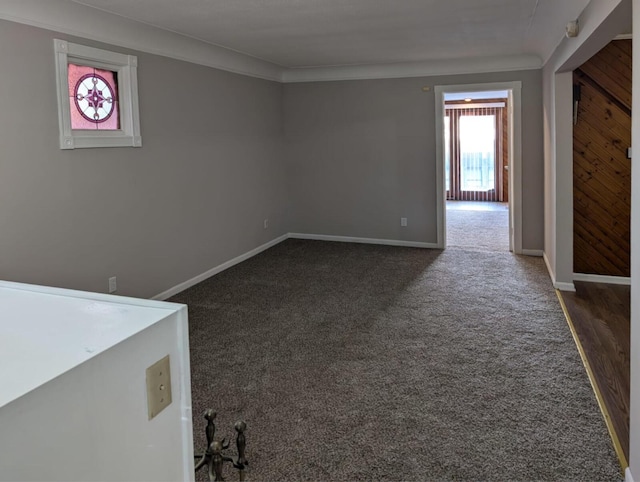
(125, 67)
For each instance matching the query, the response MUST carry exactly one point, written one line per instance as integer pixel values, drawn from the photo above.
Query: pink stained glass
(93, 98)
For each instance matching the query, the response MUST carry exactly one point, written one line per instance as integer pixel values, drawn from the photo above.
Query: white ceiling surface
(321, 33)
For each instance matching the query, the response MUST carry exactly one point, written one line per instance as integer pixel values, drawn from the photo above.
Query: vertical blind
(475, 140)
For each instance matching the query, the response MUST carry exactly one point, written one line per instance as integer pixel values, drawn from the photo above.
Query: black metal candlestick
(213, 456)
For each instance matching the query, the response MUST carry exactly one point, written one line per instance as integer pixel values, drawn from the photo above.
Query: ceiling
(320, 33)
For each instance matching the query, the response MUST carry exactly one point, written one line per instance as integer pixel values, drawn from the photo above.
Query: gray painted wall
(361, 155)
(221, 152)
(194, 196)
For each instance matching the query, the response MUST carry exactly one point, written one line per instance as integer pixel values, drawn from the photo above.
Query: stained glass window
(97, 97)
(93, 98)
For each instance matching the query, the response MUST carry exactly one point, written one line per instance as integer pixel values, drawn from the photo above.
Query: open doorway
(478, 146)
(476, 150)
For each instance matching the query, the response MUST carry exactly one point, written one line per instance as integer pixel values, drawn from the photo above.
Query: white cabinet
(73, 399)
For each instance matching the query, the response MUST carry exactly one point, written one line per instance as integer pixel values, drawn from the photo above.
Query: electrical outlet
(266, 223)
(403, 221)
(158, 387)
(113, 284)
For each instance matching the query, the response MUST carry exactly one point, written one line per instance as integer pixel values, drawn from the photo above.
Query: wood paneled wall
(601, 170)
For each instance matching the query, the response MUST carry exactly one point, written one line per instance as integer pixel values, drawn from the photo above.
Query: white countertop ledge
(45, 332)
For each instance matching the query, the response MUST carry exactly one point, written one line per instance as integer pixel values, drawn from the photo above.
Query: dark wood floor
(600, 314)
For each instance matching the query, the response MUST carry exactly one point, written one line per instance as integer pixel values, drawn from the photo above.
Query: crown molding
(413, 69)
(79, 20)
(86, 22)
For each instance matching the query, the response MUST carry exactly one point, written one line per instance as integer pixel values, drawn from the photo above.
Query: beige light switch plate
(158, 386)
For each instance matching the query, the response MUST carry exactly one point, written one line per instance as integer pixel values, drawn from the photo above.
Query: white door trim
(515, 163)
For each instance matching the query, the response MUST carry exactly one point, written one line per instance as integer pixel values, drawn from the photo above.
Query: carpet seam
(594, 385)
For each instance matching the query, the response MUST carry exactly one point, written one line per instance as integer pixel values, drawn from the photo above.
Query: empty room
(318, 240)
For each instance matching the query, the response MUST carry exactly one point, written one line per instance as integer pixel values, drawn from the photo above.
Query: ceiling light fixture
(467, 100)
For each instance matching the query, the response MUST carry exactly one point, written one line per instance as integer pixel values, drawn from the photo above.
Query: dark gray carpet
(360, 362)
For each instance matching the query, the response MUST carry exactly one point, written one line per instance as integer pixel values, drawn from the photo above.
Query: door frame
(515, 160)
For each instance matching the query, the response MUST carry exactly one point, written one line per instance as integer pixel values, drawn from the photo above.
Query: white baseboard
(627, 475)
(218, 269)
(348, 239)
(557, 284)
(596, 278)
(533, 252)
(564, 286)
(316, 237)
(549, 270)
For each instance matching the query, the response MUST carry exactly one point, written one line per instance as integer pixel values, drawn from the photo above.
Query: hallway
(482, 226)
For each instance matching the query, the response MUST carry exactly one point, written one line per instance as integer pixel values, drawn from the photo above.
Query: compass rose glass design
(93, 98)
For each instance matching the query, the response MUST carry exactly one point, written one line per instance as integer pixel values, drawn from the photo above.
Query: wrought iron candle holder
(214, 458)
